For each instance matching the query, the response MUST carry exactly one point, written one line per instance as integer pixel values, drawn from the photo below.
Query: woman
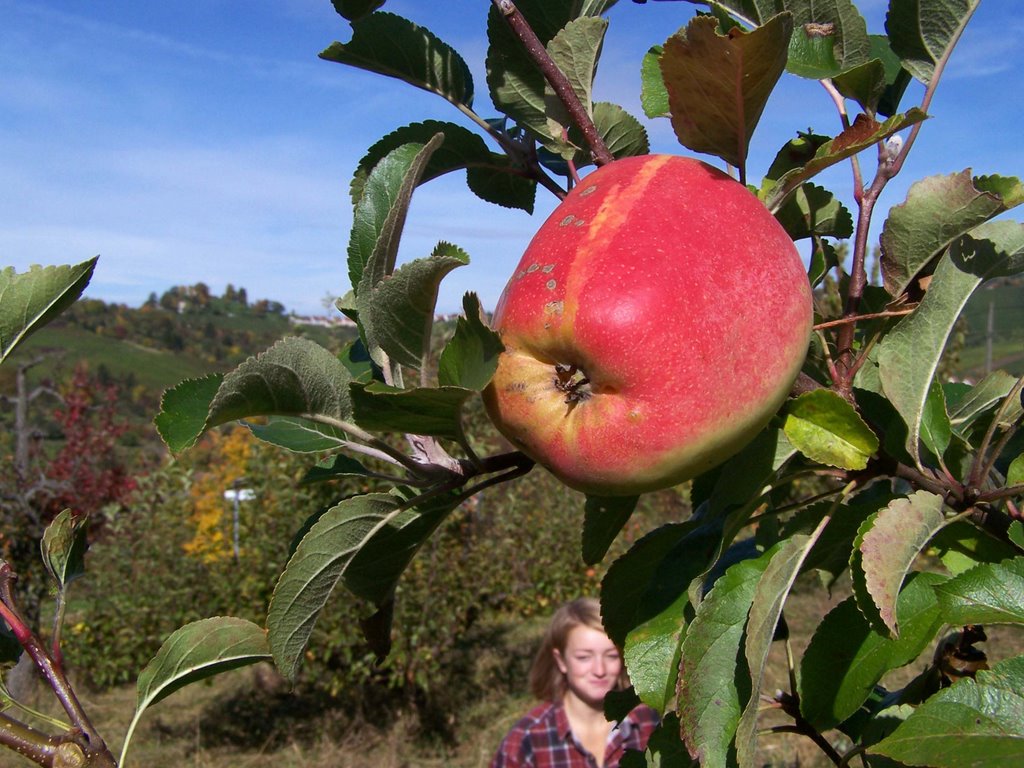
(576, 666)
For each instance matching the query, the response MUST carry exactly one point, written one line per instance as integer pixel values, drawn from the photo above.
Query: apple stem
(556, 78)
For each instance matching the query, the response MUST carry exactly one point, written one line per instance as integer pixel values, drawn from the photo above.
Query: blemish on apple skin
(580, 222)
(567, 221)
(533, 267)
(551, 284)
(547, 269)
(554, 307)
(589, 190)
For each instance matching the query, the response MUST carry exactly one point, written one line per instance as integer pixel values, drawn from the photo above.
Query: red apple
(655, 323)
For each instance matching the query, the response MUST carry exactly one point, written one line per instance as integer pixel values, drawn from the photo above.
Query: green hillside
(147, 349)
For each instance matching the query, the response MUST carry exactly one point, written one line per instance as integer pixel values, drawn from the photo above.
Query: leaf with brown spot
(862, 134)
(889, 547)
(718, 85)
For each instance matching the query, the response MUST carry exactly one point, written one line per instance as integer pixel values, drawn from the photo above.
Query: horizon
(212, 145)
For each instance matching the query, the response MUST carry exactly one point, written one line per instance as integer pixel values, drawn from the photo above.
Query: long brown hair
(546, 680)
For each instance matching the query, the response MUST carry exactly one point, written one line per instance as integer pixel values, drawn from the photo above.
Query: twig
(844, 118)
(556, 79)
(888, 166)
(982, 463)
(52, 673)
(858, 318)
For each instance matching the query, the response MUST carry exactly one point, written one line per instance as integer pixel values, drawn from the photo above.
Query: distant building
(323, 321)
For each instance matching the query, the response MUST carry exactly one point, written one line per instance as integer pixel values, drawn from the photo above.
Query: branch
(556, 79)
(52, 673)
(858, 318)
(36, 746)
(889, 164)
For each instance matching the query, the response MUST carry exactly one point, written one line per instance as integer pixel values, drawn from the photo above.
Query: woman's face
(591, 664)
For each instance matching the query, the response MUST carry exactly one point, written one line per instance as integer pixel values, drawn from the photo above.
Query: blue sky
(205, 141)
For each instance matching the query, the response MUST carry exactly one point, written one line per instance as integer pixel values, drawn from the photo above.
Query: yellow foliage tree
(227, 455)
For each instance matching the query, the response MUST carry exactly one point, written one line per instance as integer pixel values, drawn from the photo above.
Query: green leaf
(651, 654)
(575, 50)
(664, 748)
(712, 686)
(63, 547)
(937, 211)
(826, 428)
(828, 38)
(865, 84)
(357, 362)
(975, 723)
(892, 543)
(909, 355)
(846, 658)
(794, 155)
(742, 482)
(961, 546)
(831, 553)
(184, 409)
(936, 430)
(333, 468)
(299, 435)
(879, 83)
(750, 12)
(813, 211)
(356, 9)
(491, 176)
(769, 597)
(924, 32)
(295, 377)
(1015, 472)
(390, 45)
(603, 518)
(376, 566)
(622, 133)
(470, 358)
(1016, 533)
(398, 314)
(979, 400)
(653, 93)
(864, 133)
(652, 646)
(10, 652)
(824, 259)
(195, 652)
(30, 300)
(365, 541)
(421, 411)
(501, 186)
(380, 214)
(644, 602)
(992, 593)
(631, 576)
(515, 83)
(718, 85)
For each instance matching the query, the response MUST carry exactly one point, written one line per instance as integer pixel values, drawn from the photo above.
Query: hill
(186, 333)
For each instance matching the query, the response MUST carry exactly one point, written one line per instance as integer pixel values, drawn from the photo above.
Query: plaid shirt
(543, 739)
